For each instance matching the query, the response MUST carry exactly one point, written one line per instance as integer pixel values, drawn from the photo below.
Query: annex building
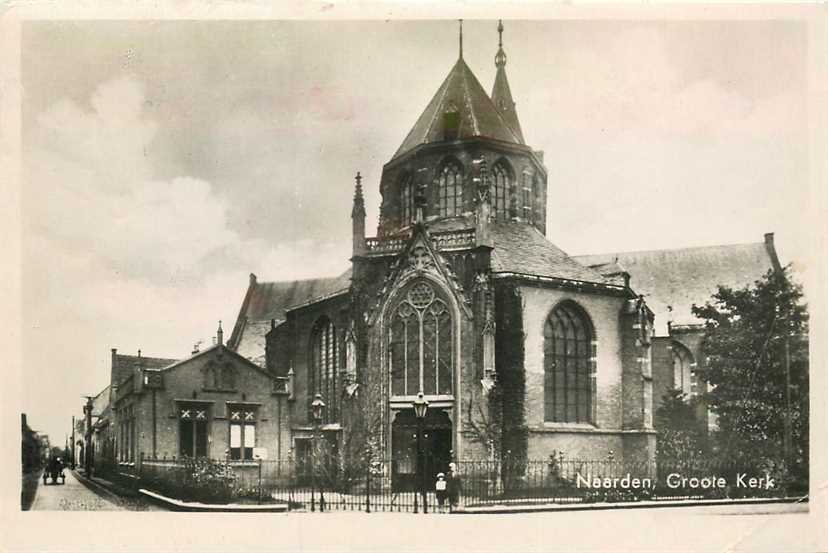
(520, 348)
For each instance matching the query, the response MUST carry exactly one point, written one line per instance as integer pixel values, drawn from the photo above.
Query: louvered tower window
(406, 199)
(450, 188)
(420, 344)
(324, 369)
(526, 196)
(500, 190)
(568, 365)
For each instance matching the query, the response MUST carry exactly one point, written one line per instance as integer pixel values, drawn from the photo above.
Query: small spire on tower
(220, 335)
(461, 39)
(359, 200)
(500, 57)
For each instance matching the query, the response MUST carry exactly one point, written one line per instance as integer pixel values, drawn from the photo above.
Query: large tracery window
(406, 199)
(324, 369)
(568, 365)
(420, 344)
(450, 189)
(501, 183)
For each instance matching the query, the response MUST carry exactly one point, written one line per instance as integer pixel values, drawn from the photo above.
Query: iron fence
(381, 486)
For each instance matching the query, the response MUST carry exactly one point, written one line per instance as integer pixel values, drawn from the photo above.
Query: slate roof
(478, 114)
(682, 277)
(521, 248)
(125, 365)
(271, 300)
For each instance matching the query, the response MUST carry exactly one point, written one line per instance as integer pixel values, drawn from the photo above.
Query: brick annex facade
(521, 350)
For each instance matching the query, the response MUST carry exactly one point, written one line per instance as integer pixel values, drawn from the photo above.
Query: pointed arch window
(324, 373)
(501, 183)
(526, 196)
(450, 188)
(569, 367)
(685, 377)
(420, 344)
(407, 199)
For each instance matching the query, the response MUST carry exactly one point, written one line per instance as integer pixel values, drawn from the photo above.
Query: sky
(164, 161)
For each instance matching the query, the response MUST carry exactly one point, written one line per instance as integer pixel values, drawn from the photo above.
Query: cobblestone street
(74, 496)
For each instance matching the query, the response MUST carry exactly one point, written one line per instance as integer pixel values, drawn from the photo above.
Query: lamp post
(420, 409)
(317, 405)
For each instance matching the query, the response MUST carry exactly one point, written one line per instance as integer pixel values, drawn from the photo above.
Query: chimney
(358, 218)
(139, 353)
(220, 335)
(252, 279)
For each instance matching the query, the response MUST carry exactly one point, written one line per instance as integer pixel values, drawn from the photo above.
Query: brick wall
(184, 381)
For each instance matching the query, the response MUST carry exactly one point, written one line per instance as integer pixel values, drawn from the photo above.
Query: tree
(680, 435)
(756, 341)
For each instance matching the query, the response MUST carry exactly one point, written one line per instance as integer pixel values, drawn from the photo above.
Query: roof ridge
(628, 252)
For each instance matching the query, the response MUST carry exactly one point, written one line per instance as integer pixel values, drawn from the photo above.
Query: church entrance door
(436, 447)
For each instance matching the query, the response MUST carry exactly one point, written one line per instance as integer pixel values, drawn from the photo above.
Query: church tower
(460, 300)
(462, 125)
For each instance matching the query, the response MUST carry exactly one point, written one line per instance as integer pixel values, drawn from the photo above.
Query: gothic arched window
(567, 361)
(527, 197)
(450, 188)
(406, 199)
(324, 367)
(685, 378)
(501, 183)
(420, 344)
(228, 378)
(212, 380)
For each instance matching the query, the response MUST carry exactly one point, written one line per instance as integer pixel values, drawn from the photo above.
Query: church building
(521, 350)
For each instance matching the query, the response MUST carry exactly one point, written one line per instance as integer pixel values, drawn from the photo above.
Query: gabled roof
(271, 300)
(216, 349)
(680, 278)
(461, 91)
(521, 248)
(124, 366)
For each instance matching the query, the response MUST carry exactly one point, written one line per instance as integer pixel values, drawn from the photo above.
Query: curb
(97, 487)
(186, 506)
(497, 510)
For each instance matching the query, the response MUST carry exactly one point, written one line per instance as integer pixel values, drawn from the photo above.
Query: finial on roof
(358, 209)
(358, 179)
(220, 335)
(461, 39)
(500, 57)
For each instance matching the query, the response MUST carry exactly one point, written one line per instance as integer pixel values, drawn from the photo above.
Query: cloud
(116, 257)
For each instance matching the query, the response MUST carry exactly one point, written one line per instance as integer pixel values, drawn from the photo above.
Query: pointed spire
(501, 93)
(220, 335)
(359, 200)
(461, 39)
(358, 218)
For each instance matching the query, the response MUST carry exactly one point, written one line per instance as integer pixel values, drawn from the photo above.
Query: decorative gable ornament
(417, 259)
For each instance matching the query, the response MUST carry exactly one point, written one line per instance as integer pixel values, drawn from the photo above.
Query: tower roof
(477, 115)
(501, 93)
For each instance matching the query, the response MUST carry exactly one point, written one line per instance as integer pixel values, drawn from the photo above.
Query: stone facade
(202, 396)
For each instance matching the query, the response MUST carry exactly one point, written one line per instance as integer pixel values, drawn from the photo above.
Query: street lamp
(420, 409)
(317, 406)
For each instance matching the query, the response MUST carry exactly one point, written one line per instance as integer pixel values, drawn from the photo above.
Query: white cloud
(114, 257)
